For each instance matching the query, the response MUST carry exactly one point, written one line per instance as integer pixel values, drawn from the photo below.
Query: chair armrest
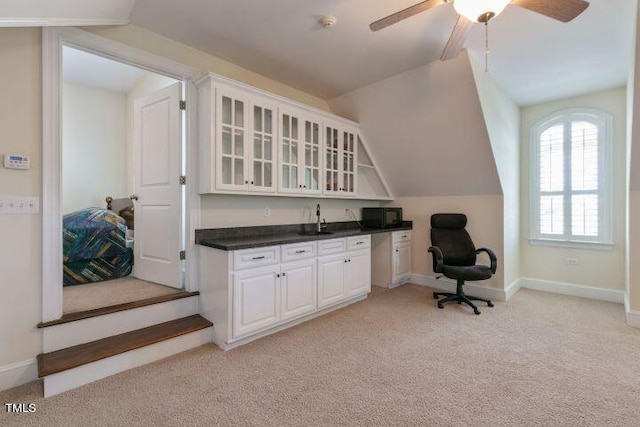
(492, 257)
(438, 258)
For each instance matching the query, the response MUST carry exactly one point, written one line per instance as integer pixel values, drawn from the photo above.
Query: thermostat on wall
(14, 161)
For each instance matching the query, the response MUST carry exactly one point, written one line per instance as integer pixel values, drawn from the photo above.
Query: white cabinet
(340, 159)
(358, 274)
(256, 299)
(253, 142)
(344, 274)
(299, 153)
(331, 276)
(391, 258)
(251, 292)
(298, 283)
(237, 132)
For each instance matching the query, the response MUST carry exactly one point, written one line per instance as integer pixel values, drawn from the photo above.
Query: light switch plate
(18, 205)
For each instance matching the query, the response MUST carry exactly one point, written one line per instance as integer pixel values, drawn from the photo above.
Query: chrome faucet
(320, 225)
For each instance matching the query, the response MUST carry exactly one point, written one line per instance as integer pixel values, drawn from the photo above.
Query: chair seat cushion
(471, 272)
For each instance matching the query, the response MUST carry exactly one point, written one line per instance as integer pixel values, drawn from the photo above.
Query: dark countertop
(231, 239)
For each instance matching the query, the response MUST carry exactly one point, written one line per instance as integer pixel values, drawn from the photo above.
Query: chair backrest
(448, 234)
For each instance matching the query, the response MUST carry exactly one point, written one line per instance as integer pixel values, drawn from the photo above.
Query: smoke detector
(328, 21)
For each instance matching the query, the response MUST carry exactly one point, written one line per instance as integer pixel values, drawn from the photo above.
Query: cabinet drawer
(358, 242)
(299, 251)
(332, 246)
(250, 258)
(401, 236)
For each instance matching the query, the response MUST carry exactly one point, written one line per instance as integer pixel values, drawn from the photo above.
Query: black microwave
(381, 217)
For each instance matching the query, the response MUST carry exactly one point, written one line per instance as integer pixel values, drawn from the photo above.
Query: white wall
(597, 268)
(427, 130)
(243, 211)
(20, 246)
(94, 155)
(502, 118)
(21, 124)
(484, 224)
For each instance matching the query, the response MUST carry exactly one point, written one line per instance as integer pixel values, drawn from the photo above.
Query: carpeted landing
(394, 359)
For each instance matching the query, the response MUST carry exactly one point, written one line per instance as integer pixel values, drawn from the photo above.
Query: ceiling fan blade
(564, 10)
(456, 39)
(405, 13)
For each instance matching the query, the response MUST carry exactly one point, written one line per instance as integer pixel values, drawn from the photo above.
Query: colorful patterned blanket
(93, 233)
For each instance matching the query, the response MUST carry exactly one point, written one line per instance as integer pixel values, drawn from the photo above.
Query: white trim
(365, 145)
(633, 318)
(513, 288)
(573, 289)
(52, 40)
(473, 288)
(85, 374)
(595, 246)
(16, 374)
(604, 123)
(59, 22)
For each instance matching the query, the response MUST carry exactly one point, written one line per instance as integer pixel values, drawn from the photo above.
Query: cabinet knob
(277, 275)
(299, 186)
(251, 182)
(345, 261)
(246, 182)
(284, 274)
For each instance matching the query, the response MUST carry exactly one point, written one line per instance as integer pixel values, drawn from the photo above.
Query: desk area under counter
(255, 281)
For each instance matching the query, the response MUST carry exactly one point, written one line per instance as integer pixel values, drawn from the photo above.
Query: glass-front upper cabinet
(245, 142)
(340, 151)
(299, 153)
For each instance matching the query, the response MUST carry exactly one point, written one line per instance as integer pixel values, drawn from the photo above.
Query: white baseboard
(472, 288)
(18, 373)
(573, 289)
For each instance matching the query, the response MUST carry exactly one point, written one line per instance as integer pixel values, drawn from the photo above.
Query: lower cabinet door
(331, 275)
(256, 294)
(299, 288)
(401, 269)
(358, 279)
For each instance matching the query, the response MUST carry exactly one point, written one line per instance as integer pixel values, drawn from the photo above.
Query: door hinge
(183, 180)
(183, 105)
(183, 255)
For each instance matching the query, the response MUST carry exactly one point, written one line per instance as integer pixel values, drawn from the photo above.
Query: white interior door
(157, 141)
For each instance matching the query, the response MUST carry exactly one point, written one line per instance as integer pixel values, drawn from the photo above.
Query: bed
(96, 246)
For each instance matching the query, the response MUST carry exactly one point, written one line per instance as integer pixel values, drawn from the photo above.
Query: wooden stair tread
(72, 317)
(72, 357)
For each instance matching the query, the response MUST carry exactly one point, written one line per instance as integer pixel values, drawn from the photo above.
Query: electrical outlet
(571, 261)
(267, 211)
(18, 205)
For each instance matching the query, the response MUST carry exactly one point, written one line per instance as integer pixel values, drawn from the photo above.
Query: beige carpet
(394, 359)
(102, 294)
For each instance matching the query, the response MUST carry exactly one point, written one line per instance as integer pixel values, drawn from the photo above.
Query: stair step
(72, 357)
(72, 317)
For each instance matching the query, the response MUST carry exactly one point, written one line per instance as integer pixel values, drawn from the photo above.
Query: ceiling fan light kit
(480, 10)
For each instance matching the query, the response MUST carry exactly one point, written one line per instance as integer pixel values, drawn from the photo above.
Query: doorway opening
(121, 203)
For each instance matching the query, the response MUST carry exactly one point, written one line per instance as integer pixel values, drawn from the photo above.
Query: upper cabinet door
(290, 142)
(231, 139)
(340, 152)
(310, 157)
(299, 150)
(263, 147)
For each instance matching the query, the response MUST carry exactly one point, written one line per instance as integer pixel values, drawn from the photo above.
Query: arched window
(571, 169)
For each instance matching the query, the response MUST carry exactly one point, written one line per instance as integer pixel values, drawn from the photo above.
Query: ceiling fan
(471, 11)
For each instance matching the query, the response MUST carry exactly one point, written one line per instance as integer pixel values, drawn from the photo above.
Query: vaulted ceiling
(532, 57)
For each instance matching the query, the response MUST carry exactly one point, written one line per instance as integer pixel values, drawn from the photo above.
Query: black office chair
(454, 255)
